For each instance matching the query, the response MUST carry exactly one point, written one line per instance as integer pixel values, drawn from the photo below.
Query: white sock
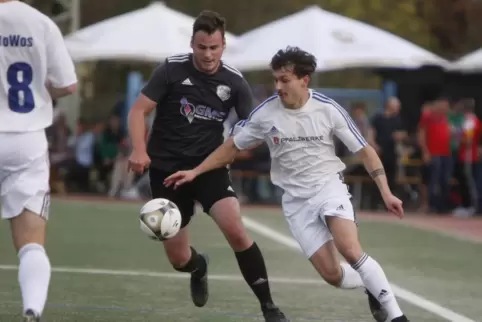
(376, 282)
(351, 279)
(34, 277)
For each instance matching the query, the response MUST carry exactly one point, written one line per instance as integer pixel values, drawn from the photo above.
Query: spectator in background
(108, 147)
(385, 134)
(434, 137)
(58, 136)
(121, 178)
(467, 157)
(425, 167)
(359, 115)
(78, 174)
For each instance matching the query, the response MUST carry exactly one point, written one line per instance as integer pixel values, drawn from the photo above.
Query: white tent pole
(71, 104)
(74, 26)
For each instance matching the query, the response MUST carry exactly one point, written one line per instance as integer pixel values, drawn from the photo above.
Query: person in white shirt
(299, 124)
(35, 68)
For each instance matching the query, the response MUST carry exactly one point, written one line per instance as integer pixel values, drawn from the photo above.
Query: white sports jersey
(32, 53)
(301, 143)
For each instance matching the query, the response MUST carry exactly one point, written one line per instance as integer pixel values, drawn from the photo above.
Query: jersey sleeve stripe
(342, 111)
(238, 124)
(178, 58)
(232, 69)
(269, 99)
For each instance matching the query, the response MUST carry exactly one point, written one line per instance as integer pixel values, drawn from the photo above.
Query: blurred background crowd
(419, 107)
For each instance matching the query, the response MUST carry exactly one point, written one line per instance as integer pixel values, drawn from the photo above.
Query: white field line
(109, 272)
(400, 292)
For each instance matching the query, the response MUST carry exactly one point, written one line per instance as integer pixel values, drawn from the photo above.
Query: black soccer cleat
(199, 285)
(402, 318)
(272, 313)
(376, 308)
(30, 316)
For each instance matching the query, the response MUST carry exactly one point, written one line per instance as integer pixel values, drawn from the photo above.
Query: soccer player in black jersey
(193, 95)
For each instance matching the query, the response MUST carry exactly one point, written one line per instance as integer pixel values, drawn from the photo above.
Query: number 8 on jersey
(20, 96)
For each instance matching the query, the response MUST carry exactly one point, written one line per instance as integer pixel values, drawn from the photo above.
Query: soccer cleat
(199, 286)
(272, 313)
(402, 318)
(378, 313)
(30, 316)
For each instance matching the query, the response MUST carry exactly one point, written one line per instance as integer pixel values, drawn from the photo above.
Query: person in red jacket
(434, 139)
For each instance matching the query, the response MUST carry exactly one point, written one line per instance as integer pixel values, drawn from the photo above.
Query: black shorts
(206, 189)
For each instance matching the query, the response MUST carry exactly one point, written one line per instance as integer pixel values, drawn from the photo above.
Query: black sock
(196, 264)
(253, 268)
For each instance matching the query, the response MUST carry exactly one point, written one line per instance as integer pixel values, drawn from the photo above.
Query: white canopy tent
(337, 42)
(148, 34)
(469, 63)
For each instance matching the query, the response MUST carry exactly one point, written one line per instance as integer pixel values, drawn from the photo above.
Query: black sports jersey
(191, 109)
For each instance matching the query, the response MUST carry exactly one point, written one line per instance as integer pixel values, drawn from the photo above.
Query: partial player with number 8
(35, 67)
(20, 96)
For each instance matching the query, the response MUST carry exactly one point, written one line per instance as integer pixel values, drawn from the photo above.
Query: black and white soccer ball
(160, 219)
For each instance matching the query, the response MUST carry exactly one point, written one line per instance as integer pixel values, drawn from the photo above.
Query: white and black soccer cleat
(272, 313)
(377, 310)
(199, 285)
(30, 316)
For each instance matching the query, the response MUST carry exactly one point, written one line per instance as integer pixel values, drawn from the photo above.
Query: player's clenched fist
(139, 161)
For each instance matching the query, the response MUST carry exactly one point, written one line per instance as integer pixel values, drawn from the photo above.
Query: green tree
(454, 24)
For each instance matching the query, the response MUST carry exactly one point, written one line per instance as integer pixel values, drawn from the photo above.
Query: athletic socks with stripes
(376, 282)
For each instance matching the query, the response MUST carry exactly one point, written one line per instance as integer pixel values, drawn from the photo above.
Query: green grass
(85, 235)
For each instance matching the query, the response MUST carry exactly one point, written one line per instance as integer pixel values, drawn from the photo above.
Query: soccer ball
(160, 219)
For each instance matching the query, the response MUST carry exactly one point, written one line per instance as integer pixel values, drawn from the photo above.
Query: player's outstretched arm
(221, 157)
(374, 166)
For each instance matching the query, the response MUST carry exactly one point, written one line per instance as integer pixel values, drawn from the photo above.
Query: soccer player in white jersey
(35, 68)
(298, 124)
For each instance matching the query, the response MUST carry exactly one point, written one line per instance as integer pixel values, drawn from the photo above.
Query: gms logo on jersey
(191, 112)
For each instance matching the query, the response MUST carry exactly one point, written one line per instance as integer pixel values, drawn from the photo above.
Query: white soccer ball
(160, 219)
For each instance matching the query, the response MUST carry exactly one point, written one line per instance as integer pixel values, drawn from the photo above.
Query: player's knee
(352, 253)
(239, 240)
(227, 216)
(237, 236)
(332, 276)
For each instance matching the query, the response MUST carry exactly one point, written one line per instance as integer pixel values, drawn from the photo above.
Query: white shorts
(24, 174)
(306, 217)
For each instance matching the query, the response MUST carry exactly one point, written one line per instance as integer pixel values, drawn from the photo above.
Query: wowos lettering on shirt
(15, 41)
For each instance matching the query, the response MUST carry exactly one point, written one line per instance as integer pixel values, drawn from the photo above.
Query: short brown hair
(209, 22)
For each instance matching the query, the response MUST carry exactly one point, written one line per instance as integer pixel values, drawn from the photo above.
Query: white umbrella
(148, 34)
(336, 41)
(469, 63)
